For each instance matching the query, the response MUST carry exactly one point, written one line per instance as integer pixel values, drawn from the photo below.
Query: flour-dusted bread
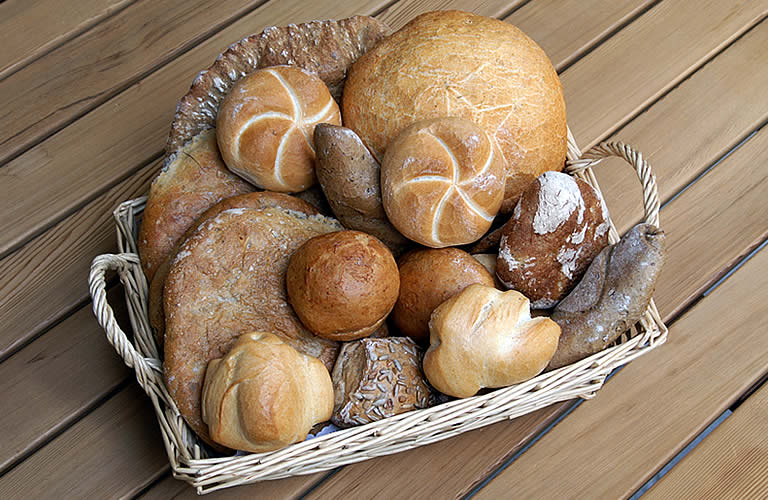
(261, 199)
(342, 285)
(264, 395)
(483, 337)
(351, 180)
(378, 378)
(451, 63)
(428, 277)
(442, 182)
(228, 278)
(265, 127)
(325, 48)
(192, 180)
(559, 225)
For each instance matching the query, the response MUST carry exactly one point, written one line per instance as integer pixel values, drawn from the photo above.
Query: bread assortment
(265, 125)
(264, 395)
(559, 225)
(442, 182)
(275, 318)
(342, 285)
(378, 378)
(428, 278)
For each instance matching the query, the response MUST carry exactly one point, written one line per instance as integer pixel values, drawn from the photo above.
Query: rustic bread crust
(326, 48)
(227, 279)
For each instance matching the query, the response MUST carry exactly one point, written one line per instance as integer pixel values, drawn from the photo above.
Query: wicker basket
(189, 457)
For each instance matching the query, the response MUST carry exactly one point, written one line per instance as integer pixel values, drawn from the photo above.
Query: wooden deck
(87, 93)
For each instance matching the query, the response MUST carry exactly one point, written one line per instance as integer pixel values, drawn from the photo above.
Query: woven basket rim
(409, 430)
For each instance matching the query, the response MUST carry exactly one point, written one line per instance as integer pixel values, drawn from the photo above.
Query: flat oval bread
(326, 48)
(228, 278)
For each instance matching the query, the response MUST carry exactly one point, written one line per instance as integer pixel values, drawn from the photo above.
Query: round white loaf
(265, 126)
(442, 182)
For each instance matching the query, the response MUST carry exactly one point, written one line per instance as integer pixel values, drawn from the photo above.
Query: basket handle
(635, 159)
(121, 263)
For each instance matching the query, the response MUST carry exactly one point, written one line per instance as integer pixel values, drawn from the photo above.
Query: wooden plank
(146, 110)
(54, 380)
(64, 84)
(31, 29)
(714, 352)
(115, 451)
(674, 119)
(46, 278)
(731, 462)
(96, 151)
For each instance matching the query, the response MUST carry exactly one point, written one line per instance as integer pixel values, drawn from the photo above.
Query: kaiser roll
(342, 285)
(452, 63)
(265, 125)
(442, 182)
(264, 395)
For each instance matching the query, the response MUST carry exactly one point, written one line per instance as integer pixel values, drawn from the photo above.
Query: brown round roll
(450, 63)
(265, 125)
(442, 182)
(428, 278)
(342, 285)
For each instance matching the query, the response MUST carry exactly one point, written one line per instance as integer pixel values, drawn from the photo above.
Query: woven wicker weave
(188, 457)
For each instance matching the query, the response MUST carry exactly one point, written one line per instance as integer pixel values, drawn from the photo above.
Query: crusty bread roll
(428, 277)
(451, 63)
(442, 182)
(483, 337)
(265, 126)
(227, 279)
(192, 180)
(378, 378)
(559, 225)
(342, 285)
(261, 199)
(264, 395)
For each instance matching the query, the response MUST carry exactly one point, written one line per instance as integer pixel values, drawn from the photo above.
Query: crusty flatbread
(192, 180)
(228, 278)
(261, 199)
(326, 48)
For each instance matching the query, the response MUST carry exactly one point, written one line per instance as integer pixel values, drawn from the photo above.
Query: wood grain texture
(730, 463)
(31, 29)
(83, 73)
(55, 379)
(715, 351)
(46, 278)
(399, 13)
(115, 451)
(647, 58)
(95, 152)
(696, 269)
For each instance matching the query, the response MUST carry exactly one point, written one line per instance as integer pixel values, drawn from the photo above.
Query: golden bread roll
(378, 378)
(428, 277)
(342, 285)
(265, 126)
(483, 337)
(442, 182)
(451, 63)
(264, 395)
(192, 180)
(558, 226)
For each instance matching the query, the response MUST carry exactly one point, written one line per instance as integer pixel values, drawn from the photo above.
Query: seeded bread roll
(265, 126)
(450, 63)
(427, 278)
(264, 395)
(483, 337)
(442, 182)
(378, 378)
(559, 225)
(342, 285)
(192, 180)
